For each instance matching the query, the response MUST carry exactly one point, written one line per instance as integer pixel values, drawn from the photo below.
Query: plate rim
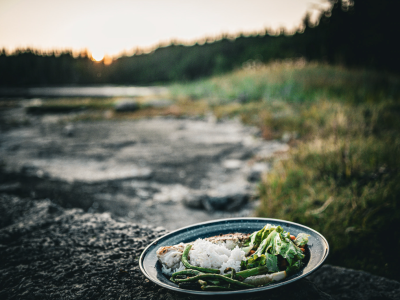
(253, 290)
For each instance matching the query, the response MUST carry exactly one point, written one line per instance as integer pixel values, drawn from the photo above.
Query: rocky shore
(48, 252)
(147, 171)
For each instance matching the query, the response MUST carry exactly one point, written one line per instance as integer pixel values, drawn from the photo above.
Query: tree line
(353, 33)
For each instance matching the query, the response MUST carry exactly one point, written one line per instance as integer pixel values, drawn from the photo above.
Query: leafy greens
(270, 242)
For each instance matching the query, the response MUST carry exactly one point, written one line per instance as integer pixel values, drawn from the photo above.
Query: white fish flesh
(171, 256)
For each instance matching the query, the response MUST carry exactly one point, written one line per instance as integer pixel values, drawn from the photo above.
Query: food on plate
(170, 256)
(234, 261)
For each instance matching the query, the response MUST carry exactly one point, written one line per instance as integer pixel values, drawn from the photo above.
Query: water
(89, 91)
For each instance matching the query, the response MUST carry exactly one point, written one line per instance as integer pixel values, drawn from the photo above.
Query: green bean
(215, 288)
(233, 274)
(250, 272)
(189, 266)
(215, 276)
(202, 282)
(184, 272)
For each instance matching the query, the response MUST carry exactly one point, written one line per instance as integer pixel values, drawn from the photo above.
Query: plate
(316, 253)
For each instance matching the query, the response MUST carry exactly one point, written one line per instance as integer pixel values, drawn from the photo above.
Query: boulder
(126, 105)
(194, 199)
(228, 196)
(223, 201)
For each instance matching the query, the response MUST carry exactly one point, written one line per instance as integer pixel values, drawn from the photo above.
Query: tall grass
(343, 180)
(342, 173)
(292, 81)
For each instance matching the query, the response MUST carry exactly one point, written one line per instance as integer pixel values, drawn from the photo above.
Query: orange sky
(111, 27)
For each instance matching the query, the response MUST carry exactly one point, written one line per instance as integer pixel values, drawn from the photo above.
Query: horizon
(104, 33)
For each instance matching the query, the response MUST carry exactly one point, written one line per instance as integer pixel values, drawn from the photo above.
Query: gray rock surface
(126, 105)
(68, 130)
(47, 252)
(345, 284)
(144, 171)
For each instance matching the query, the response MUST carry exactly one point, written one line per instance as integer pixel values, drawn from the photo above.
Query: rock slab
(47, 252)
(345, 284)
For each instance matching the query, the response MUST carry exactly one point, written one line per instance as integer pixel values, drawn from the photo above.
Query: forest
(353, 33)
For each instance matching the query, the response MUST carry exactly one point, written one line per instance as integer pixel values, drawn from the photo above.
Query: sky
(120, 26)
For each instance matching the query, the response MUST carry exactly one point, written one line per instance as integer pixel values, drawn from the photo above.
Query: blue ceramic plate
(316, 252)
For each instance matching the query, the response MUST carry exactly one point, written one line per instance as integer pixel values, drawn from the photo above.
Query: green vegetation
(293, 81)
(341, 175)
(353, 33)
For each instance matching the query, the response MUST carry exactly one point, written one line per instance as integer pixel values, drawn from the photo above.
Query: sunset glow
(97, 56)
(124, 26)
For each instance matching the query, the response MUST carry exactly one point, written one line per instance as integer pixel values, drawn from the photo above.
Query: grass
(341, 176)
(293, 82)
(343, 181)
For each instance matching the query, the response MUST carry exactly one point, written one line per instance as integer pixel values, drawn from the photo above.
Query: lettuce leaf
(257, 237)
(272, 263)
(266, 243)
(294, 268)
(287, 250)
(301, 239)
(255, 261)
(267, 230)
(271, 242)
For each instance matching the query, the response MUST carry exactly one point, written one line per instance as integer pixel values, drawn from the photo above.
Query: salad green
(272, 241)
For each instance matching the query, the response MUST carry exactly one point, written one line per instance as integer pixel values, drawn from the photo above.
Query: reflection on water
(97, 91)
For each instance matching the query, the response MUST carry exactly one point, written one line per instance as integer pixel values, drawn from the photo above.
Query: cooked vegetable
(301, 239)
(256, 238)
(233, 274)
(265, 279)
(215, 276)
(184, 272)
(202, 282)
(251, 272)
(274, 241)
